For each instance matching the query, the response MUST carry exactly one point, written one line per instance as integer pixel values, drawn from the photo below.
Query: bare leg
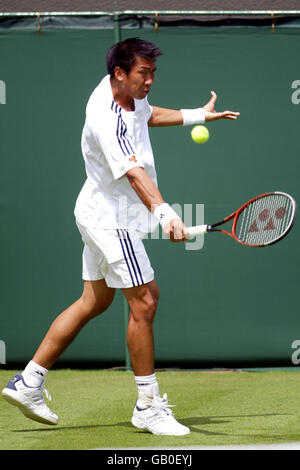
(95, 299)
(142, 302)
(151, 412)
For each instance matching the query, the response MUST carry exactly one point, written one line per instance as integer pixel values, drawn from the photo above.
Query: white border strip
(280, 446)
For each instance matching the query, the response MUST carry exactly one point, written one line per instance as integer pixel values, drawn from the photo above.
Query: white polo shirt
(114, 141)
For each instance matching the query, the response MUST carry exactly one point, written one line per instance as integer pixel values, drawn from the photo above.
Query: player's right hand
(175, 230)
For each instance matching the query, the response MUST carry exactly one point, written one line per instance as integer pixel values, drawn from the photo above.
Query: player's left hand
(212, 115)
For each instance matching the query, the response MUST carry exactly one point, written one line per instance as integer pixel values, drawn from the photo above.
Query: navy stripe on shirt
(123, 140)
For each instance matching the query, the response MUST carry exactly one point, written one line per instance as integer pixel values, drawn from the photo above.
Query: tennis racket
(262, 221)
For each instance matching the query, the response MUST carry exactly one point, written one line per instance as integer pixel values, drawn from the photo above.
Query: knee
(92, 307)
(150, 308)
(145, 310)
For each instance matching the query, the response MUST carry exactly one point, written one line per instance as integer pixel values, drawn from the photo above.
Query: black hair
(123, 54)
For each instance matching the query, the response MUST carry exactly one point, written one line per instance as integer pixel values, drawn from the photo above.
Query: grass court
(220, 407)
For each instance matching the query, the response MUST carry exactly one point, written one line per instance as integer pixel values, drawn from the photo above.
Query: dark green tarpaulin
(222, 304)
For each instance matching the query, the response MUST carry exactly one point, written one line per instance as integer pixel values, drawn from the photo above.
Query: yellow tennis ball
(200, 134)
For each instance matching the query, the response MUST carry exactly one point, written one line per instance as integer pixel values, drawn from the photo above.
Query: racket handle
(196, 230)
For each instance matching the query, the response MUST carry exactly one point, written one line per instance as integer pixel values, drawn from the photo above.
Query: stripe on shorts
(130, 258)
(133, 254)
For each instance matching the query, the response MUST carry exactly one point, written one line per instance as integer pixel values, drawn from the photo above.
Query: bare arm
(150, 195)
(171, 117)
(165, 117)
(143, 185)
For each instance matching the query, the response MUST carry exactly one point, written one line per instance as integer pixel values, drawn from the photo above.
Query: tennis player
(119, 203)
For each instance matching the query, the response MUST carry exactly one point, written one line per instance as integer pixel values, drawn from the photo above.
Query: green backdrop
(223, 304)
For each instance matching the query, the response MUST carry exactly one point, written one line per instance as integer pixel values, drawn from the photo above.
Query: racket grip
(196, 230)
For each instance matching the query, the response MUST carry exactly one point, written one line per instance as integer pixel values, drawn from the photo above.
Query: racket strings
(265, 219)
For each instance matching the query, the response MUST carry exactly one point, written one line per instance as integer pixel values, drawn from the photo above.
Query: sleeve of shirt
(110, 132)
(148, 109)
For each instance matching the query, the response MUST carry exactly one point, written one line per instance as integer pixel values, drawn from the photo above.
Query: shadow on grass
(190, 422)
(208, 420)
(67, 428)
(220, 419)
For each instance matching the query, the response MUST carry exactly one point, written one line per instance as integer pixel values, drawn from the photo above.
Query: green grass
(95, 410)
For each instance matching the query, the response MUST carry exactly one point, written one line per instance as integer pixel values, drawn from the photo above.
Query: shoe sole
(12, 397)
(141, 425)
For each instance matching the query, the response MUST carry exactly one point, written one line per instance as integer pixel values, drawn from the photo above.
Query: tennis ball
(200, 134)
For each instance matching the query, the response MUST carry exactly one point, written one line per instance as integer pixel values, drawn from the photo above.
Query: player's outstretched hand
(212, 115)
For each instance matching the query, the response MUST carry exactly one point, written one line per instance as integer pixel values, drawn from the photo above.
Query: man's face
(138, 82)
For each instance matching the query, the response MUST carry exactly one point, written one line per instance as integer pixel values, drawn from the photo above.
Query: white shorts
(118, 256)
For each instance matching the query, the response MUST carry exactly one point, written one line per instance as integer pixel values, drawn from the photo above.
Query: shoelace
(161, 404)
(43, 389)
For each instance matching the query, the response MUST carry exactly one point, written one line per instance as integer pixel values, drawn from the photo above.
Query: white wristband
(193, 116)
(164, 214)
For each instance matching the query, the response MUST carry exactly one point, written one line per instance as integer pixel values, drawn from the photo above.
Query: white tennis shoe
(158, 418)
(29, 400)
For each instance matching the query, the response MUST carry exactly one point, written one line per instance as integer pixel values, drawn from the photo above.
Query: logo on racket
(265, 218)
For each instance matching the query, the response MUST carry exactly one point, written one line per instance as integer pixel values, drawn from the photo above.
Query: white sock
(34, 374)
(147, 388)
